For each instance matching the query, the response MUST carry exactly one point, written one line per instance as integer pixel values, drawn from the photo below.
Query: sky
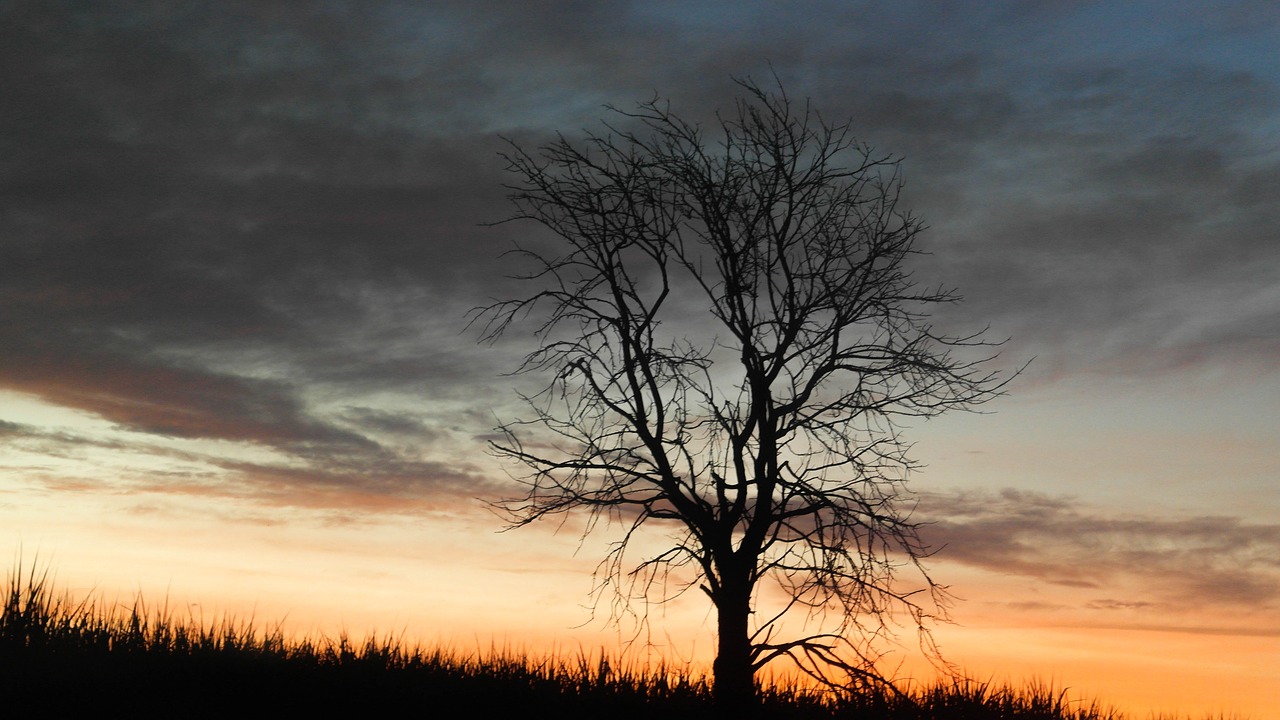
(239, 242)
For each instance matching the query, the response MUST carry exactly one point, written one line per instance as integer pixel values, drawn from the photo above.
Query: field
(60, 655)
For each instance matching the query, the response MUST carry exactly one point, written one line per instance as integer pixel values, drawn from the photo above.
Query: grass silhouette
(60, 656)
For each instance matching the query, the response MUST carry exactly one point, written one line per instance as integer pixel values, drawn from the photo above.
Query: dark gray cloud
(245, 220)
(194, 234)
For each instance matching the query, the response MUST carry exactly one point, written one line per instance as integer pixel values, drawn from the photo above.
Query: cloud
(350, 478)
(259, 222)
(1175, 562)
(172, 402)
(196, 245)
(12, 429)
(354, 484)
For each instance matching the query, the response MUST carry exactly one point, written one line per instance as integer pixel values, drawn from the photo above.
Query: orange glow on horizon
(469, 604)
(446, 577)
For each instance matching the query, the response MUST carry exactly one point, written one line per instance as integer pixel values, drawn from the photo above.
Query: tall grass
(59, 656)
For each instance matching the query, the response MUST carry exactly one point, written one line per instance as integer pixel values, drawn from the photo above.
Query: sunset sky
(239, 242)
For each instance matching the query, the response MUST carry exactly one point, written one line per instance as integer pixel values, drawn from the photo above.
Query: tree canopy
(731, 337)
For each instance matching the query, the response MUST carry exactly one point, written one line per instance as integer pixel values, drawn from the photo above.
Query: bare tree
(732, 339)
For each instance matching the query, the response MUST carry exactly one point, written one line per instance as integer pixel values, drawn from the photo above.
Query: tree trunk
(734, 690)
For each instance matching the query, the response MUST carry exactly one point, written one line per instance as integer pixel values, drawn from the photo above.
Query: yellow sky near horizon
(454, 581)
(444, 574)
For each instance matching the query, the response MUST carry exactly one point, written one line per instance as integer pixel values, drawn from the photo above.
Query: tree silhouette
(732, 340)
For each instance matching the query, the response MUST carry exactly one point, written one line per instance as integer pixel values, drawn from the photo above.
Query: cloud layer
(260, 223)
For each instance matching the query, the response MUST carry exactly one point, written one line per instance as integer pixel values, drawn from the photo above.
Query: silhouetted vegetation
(59, 656)
(766, 445)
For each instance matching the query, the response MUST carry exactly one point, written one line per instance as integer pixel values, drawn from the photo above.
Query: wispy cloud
(1176, 563)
